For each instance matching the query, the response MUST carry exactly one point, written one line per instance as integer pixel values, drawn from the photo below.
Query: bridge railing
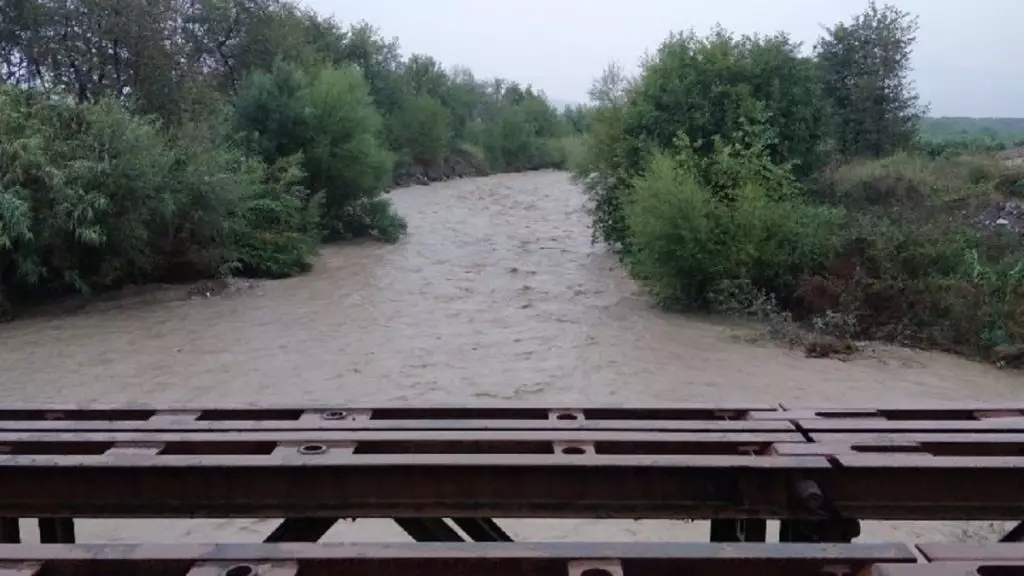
(444, 473)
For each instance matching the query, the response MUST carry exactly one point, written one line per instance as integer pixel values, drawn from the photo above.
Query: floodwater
(496, 295)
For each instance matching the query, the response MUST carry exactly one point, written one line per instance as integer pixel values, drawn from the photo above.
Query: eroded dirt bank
(497, 294)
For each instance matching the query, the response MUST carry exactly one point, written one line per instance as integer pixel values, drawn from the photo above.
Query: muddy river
(496, 295)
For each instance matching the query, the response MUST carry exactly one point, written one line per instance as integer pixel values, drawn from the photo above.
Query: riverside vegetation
(171, 140)
(740, 174)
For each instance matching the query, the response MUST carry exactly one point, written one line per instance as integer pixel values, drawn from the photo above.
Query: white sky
(968, 60)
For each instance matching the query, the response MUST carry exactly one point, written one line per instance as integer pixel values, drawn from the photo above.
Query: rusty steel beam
(170, 425)
(718, 462)
(513, 410)
(315, 484)
(322, 483)
(946, 569)
(449, 559)
(398, 442)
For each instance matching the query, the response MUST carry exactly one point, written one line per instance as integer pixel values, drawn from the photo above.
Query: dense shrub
(921, 263)
(331, 121)
(93, 198)
(423, 130)
(271, 128)
(706, 89)
(718, 179)
(695, 248)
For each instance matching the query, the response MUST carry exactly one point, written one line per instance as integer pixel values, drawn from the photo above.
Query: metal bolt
(241, 570)
(312, 449)
(810, 494)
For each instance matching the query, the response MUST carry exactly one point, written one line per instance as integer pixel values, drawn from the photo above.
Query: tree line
(740, 173)
(173, 140)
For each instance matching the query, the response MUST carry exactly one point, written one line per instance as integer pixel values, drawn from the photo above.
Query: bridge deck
(442, 472)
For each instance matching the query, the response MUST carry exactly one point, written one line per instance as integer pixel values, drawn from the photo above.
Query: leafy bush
(709, 90)
(83, 195)
(577, 155)
(277, 228)
(423, 130)
(259, 147)
(689, 245)
(94, 198)
(331, 121)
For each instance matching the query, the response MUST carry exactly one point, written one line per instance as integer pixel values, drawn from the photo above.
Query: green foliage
(708, 90)
(577, 159)
(345, 158)
(689, 244)
(911, 182)
(329, 120)
(918, 267)
(865, 67)
(717, 86)
(423, 130)
(723, 175)
(163, 140)
(94, 198)
(277, 230)
(522, 136)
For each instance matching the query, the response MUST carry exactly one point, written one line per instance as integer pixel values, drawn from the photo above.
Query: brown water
(497, 294)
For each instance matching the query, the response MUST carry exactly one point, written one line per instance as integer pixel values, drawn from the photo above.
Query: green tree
(424, 130)
(331, 121)
(709, 89)
(865, 67)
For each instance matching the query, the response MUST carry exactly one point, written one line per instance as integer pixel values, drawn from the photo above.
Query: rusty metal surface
(392, 442)
(705, 461)
(957, 552)
(191, 425)
(347, 485)
(946, 569)
(452, 559)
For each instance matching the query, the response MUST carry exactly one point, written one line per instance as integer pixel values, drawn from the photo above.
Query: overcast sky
(968, 60)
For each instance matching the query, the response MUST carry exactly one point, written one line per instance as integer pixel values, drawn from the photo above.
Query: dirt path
(497, 294)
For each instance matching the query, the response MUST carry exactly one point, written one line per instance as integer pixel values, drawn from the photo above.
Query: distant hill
(952, 127)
